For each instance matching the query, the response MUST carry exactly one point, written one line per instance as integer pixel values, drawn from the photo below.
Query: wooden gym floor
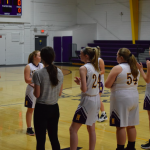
(12, 114)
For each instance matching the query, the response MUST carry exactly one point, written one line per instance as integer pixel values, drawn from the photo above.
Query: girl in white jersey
(124, 107)
(30, 100)
(88, 109)
(146, 105)
(103, 116)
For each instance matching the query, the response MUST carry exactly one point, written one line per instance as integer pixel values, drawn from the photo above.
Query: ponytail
(129, 57)
(52, 71)
(30, 58)
(48, 55)
(94, 60)
(93, 54)
(99, 51)
(132, 62)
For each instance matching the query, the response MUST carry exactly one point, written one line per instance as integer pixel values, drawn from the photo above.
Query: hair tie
(130, 55)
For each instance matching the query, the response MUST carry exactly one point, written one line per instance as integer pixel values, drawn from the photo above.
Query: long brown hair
(48, 55)
(129, 57)
(93, 56)
(30, 58)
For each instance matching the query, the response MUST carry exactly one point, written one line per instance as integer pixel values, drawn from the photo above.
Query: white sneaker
(102, 118)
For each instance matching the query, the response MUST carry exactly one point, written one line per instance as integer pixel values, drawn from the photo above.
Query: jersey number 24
(96, 82)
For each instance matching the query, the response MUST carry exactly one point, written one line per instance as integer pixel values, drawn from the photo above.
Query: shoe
(102, 118)
(146, 146)
(30, 132)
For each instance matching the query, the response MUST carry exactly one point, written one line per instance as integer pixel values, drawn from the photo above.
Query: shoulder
(27, 67)
(59, 72)
(117, 69)
(83, 67)
(41, 65)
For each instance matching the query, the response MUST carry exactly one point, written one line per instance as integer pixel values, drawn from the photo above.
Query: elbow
(27, 81)
(37, 96)
(147, 81)
(83, 90)
(107, 85)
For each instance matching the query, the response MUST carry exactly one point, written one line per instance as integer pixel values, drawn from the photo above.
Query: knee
(130, 127)
(72, 130)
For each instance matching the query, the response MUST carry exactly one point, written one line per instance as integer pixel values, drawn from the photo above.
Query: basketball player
(146, 105)
(88, 109)
(103, 116)
(124, 107)
(30, 100)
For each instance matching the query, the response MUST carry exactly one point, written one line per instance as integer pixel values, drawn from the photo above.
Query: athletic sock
(131, 145)
(120, 147)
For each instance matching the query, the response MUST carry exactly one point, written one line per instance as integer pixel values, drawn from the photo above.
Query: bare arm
(36, 91)
(60, 92)
(83, 72)
(112, 76)
(102, 66)
(146, 76)
(27, 77)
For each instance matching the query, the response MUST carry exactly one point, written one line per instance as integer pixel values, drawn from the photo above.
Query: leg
(29, 116)
(121, 135)
(149, 118)
(73, 135)
(92, 136)
(40, 127)
(103, 115)
(131, 132)
(102, 107)
(52, 127)
(147, 145)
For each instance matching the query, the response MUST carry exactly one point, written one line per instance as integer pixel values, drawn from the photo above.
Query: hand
(147, 63)
(140, 66)
(77, 80)
(32, 84)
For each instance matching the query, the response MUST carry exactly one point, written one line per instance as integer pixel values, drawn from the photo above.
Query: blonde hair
(30, 58)
(93, 54)
(99, 51)
(129, 57)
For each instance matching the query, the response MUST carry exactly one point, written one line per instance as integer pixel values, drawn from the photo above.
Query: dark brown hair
(48, 56)
(93, 56)
(129, 57)
(30, 58)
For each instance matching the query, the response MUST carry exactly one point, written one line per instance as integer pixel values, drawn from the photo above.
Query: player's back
(125, 80)
(92, 80)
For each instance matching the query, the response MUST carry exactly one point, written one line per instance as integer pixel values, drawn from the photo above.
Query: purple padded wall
(57, 48)
(67, 48)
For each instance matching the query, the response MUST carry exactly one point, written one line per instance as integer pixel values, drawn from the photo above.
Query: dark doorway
(40, 42)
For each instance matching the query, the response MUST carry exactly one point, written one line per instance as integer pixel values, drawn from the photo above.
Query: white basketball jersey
(92, 80)
(33, 68)
(102, 76)
(125, 80)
